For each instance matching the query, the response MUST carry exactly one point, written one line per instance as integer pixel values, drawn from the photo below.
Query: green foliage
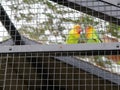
(88, 20)
(114, 30)
(54, 16)
(82, 38)
(54, 11)
(33, 32)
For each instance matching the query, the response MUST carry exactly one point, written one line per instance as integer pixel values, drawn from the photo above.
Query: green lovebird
(92, 35)
(74, 35)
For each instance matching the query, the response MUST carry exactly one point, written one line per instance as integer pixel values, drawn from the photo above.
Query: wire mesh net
(25, 22)
(36, 71)
(50, 23)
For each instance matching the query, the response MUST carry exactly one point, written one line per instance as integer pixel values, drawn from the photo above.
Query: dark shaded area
(47, 73)
(42, 71)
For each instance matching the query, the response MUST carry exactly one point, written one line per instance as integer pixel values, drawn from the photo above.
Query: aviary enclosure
(41, 47)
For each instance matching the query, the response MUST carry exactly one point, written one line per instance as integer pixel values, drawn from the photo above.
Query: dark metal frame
(78, 49)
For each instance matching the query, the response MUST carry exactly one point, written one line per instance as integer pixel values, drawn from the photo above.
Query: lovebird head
(77, 29)
(89, 31)
(74, 35)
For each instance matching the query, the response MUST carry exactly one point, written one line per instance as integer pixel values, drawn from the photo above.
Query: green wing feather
(72, 38)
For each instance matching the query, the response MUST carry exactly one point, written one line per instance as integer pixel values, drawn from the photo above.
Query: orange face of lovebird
(77, 29)
(89, 31)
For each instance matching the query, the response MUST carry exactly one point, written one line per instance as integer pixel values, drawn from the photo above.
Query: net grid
(36, 54)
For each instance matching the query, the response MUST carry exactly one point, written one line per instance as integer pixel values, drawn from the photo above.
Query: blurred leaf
(114, 30)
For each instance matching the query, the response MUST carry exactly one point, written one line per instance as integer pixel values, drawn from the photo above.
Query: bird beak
(80, 30)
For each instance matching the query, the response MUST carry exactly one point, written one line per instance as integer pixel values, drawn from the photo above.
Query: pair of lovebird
(91, 35)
